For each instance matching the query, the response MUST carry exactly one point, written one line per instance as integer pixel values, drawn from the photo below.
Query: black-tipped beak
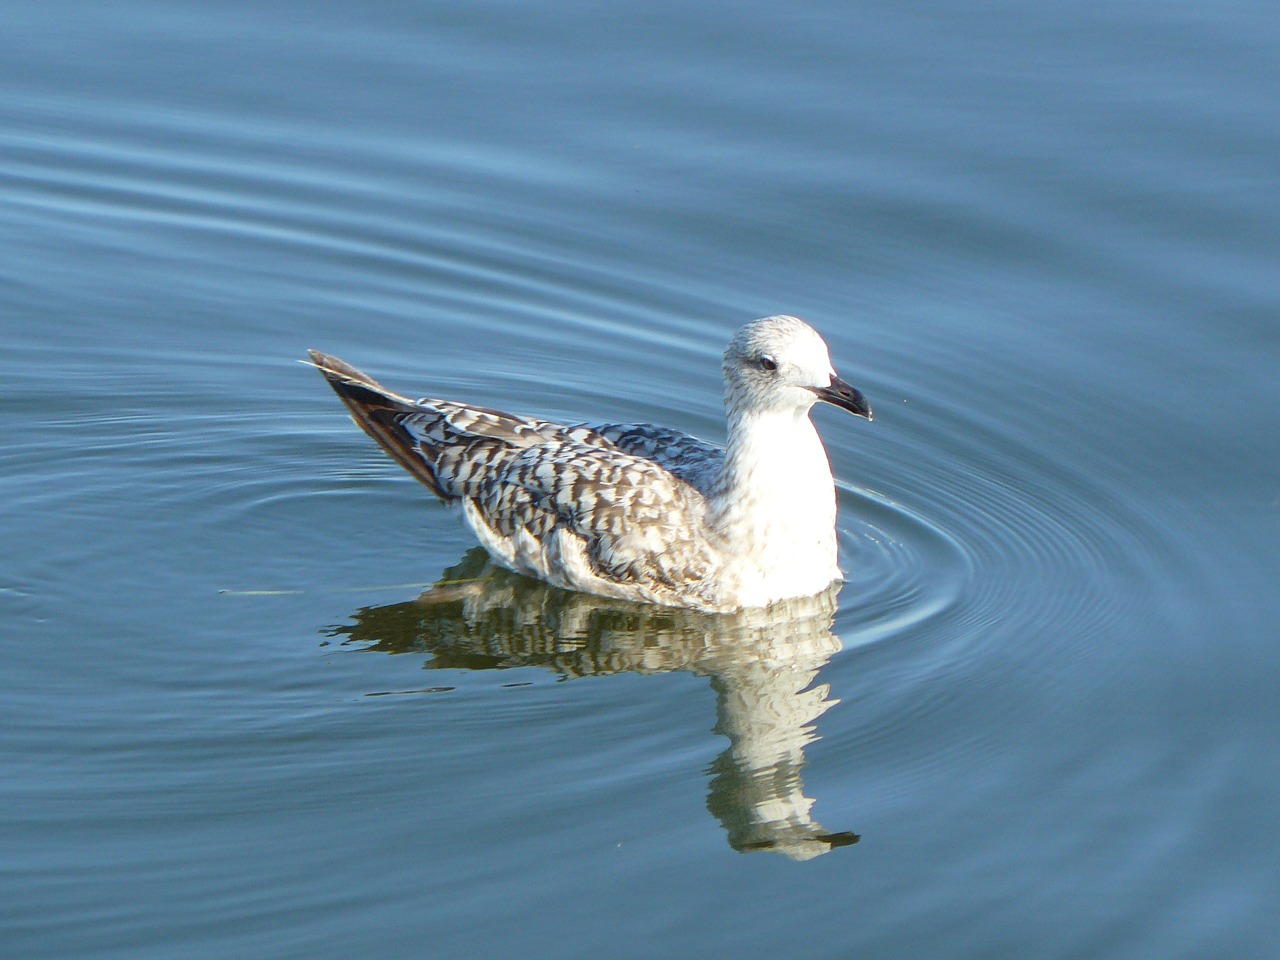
(845, 397)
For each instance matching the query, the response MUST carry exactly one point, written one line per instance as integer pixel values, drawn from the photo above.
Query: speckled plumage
(638, 511)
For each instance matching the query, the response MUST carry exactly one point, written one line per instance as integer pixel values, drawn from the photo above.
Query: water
(1042, 239)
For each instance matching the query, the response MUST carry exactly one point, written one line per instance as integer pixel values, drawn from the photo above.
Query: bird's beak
(845, 397)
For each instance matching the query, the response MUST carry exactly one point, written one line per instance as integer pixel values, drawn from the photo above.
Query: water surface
(237, 720)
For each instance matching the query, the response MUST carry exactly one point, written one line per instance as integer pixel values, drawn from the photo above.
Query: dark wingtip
(356, 386)
(333, 367)
(377, 411)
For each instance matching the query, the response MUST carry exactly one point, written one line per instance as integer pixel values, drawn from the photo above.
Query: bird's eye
(767, 363)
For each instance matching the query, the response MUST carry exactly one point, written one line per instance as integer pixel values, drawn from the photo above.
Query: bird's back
(694, 461)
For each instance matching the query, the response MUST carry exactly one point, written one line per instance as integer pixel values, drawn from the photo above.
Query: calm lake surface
(1043, 238)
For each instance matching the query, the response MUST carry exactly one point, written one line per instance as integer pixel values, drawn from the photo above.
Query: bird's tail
(379, 413)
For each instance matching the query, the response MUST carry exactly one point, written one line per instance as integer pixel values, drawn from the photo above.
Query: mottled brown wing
(637, 520)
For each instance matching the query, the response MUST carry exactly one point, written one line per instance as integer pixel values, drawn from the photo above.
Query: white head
(782, 364)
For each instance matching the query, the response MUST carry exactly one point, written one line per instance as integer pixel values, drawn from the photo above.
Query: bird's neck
(775, 497)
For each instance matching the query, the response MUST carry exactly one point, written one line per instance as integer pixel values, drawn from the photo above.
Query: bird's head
(781, 363)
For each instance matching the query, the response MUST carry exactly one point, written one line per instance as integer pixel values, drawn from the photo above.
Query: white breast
(776, 511)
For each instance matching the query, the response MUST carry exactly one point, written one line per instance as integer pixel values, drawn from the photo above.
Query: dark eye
(767, 363)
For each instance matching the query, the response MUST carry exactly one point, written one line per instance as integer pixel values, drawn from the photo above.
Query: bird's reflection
(761, 665)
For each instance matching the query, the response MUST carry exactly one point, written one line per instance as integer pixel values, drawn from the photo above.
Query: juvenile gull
(633, 510)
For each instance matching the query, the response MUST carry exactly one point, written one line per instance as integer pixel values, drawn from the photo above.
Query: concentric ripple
(971, 531)
(1011, 559)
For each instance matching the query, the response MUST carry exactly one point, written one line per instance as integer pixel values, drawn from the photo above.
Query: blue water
(1043, 239)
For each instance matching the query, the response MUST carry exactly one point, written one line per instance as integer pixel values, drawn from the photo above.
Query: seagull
(636, 511)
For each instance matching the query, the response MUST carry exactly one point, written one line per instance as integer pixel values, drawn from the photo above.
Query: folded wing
(613, 502)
